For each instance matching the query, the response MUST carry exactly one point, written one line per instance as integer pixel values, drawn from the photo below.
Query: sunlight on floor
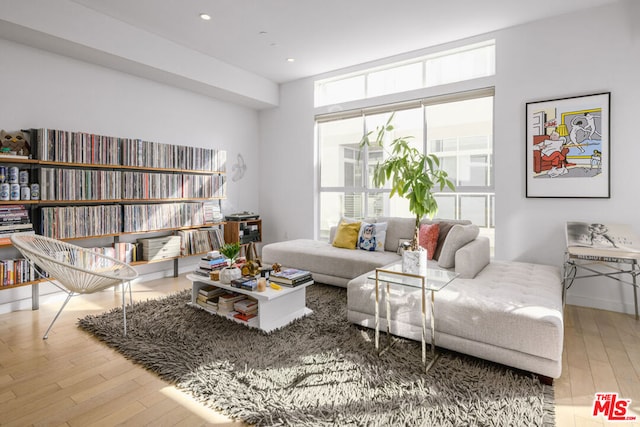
(206, 414)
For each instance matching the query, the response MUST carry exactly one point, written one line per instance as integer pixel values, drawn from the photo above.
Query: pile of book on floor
(213, 261)
(291, 277)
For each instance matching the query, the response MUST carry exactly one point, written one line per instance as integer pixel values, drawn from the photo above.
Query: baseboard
(48, 291)
(626, 308)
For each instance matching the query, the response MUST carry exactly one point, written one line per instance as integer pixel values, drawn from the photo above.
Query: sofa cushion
(320, 257)
(372, 236)
(429, 238)
(445, 226)
(458, 236)
(347, 235)
(397, 229)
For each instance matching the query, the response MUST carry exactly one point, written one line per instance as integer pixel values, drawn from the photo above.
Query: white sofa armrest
(473, 257)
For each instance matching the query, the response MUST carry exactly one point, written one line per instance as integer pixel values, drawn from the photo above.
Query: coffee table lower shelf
(276, 308)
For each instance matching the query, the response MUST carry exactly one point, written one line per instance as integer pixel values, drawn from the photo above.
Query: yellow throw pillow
(347, 235)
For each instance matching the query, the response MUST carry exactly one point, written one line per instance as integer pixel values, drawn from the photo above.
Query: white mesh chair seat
(78, 270)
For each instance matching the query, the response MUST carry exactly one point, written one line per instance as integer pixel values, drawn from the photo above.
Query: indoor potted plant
(413, 175)
(231, 252)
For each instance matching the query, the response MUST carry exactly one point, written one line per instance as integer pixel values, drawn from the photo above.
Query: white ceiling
(322, 35)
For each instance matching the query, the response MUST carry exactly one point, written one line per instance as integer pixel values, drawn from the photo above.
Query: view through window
(460, 133)
(457, 127)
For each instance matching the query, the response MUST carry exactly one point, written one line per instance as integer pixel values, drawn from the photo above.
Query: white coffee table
(434, 281)
(276, 308)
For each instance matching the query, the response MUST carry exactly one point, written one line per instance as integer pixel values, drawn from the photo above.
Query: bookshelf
(95, 186)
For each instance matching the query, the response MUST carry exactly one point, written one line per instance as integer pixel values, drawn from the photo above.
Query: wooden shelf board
(19, 285)
(11, 159)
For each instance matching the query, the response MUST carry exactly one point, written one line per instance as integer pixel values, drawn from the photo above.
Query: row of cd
(85, 148)
(89, 221)
(87, 184)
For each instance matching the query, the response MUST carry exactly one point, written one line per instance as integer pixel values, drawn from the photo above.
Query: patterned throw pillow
(347, 235)
(372, 236)
(429, 238)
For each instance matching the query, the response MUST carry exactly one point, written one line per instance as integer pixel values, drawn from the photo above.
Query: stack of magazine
(603, 242)
(291, 277)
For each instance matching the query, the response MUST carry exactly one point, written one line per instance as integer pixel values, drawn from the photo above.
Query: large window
(453, 65)
(459, 129)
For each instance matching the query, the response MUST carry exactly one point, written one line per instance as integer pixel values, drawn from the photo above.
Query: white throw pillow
(459, 236)
(372, 236)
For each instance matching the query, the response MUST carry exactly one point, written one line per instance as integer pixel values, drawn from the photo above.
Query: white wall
(288, 159)
(42, 89)
(594, 51)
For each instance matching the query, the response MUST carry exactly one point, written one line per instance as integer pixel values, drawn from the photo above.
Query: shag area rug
(319, 370)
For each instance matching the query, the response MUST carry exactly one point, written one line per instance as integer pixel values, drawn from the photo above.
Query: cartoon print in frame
(567, 147)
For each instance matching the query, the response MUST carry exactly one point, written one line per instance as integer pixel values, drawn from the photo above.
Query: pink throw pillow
(429, 238)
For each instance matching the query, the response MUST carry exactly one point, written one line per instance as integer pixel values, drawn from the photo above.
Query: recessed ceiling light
(291, 60)
(205, 16)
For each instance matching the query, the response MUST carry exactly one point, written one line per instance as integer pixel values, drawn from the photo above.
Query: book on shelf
(18, 226)
(245, 317)
(212, 303)
(246, 306)
(212, 212)
(14, 217)
(604, 242)
(226, 301)
(210, 290)
(290, 276)
(16, 271)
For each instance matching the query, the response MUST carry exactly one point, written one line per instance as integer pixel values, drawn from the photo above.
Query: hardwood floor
(73, 380)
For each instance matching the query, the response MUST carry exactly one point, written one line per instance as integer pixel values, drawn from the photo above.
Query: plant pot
(227, 274)
(414, 262)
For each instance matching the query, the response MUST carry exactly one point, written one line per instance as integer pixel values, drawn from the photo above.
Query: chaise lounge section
(503, 311)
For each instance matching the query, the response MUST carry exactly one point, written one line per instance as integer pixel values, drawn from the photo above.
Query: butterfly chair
(76, 270)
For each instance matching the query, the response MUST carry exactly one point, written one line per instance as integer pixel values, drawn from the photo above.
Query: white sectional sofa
(506, 312)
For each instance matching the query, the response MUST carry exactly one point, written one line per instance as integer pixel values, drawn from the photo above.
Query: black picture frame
(568, 153)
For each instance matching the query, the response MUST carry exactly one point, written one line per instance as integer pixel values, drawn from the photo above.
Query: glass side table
(434, 281)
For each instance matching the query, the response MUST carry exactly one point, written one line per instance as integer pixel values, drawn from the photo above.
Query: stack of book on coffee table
(291, 277)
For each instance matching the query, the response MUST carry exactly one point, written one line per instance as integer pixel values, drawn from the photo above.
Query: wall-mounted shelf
(75, 169)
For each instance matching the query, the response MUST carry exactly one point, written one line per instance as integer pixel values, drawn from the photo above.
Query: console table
(613, 264)
(612, 247)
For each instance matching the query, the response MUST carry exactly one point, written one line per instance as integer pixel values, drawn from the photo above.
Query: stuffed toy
(17, 142)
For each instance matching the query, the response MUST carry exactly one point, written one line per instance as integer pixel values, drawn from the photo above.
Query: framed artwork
(567, 147)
